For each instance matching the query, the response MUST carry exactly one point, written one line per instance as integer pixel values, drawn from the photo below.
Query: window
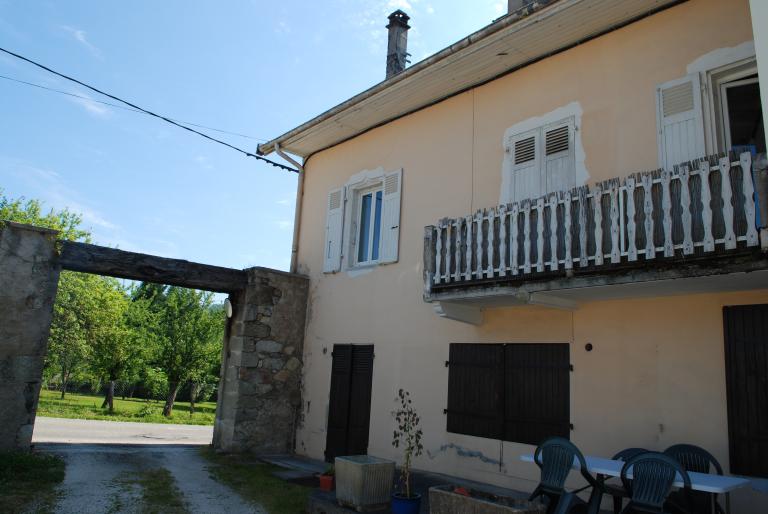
(513, 392)
(368, 220)
(711, 111)
(542, 160)
(363, 221)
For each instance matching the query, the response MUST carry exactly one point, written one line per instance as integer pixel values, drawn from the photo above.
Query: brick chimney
(397, 44)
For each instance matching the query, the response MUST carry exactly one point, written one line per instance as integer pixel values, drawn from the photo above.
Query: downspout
(297, 213)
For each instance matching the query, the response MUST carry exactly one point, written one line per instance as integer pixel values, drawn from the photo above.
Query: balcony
(692, 229)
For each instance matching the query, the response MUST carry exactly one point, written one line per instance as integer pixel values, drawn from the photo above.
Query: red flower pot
(326, 482)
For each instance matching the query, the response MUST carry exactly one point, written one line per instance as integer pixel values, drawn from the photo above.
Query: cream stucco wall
(656, 375)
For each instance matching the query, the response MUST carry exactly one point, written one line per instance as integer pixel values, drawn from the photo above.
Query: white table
(719, 484)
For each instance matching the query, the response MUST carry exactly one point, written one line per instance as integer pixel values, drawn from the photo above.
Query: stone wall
(28, 280)
(260, 389)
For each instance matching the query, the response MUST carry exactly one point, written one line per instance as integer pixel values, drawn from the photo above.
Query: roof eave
(500, 24)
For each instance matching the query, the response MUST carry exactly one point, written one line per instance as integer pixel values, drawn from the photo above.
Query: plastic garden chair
(652, 477)
(555, 458)
(617, 490)
(696, 459)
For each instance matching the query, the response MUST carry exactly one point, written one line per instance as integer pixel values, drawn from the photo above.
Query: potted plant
(408, 437)
(326, 478)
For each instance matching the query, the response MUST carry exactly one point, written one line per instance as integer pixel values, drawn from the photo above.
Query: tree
(30, 212)
(111, 340)
(192, 332)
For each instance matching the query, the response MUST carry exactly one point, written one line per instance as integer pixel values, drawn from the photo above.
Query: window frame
(356, 189)
(374, 190)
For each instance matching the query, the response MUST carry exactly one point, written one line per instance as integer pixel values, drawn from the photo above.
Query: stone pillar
(259, 398)
(29, 277)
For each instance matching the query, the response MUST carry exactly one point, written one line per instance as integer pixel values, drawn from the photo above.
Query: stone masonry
(260, 390)
(28, 280)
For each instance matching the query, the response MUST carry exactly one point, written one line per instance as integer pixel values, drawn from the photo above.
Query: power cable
(150, 113)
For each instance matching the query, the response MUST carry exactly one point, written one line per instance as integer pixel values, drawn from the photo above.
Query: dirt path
(112, 479)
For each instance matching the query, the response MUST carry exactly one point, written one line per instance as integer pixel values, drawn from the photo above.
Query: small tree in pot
(408, 437)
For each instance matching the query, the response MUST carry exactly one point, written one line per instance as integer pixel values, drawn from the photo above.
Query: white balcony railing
(703, 207)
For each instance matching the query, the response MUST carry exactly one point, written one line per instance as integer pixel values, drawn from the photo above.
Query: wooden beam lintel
(100, 260)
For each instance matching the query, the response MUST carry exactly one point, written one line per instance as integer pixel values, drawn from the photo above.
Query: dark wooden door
(349, 410)
(746, 373)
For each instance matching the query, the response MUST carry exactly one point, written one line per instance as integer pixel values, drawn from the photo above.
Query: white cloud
(399, 4)
(80, 37)
(91, 107)
(284, 224)
(51, 188)
(284, 201)
(282, 28)
(500, 8)
(430, 9)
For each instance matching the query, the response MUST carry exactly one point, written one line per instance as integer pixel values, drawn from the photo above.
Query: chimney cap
(398, 18)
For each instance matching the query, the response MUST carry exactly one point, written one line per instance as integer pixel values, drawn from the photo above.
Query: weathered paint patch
(722, 57)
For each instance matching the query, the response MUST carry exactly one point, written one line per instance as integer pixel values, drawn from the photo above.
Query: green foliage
(407, 435)
(31, 212)
(101, 332)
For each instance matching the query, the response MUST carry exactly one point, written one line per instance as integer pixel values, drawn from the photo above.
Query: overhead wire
(148, 112)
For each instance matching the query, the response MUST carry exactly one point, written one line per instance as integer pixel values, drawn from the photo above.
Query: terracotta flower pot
(326, 482)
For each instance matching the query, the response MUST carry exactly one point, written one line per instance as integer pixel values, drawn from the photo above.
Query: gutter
(502, 23)
(297, 211)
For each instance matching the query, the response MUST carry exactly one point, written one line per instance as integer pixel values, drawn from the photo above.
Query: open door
(349, 410)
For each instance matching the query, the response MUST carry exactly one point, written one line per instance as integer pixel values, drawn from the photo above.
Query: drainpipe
(297, 213)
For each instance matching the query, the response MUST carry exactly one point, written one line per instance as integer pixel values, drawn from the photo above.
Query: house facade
(546, 229)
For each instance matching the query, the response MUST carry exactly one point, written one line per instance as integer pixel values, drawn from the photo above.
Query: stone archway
(259, 390)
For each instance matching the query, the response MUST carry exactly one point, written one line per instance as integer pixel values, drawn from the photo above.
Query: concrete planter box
(364, 482)
(442, 500)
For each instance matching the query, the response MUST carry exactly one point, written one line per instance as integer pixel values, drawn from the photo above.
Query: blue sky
(253, 67)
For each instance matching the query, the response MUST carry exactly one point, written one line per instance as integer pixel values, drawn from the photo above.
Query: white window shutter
(680, 121)
(526, 176)
(390, 217)
(334, 224)
(559, 163)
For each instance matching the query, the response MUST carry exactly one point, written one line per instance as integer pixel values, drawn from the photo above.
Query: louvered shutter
(475, 387)
(334, 224)
(361, 383)
(337, 431)
(680, 121)
(526, 177)
(559, 165)
(390, 217)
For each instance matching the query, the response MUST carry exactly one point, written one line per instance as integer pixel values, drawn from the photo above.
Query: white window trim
(359, 182)
(709, 66)
(546, 121)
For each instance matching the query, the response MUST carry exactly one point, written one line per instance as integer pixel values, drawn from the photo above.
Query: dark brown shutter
(537, 392)
(475, 383)
(338, 407)
(360, 399)
(746, 374)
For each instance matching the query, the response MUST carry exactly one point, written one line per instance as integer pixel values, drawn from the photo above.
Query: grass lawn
(254, 482)
(79, 406)
(28, 481)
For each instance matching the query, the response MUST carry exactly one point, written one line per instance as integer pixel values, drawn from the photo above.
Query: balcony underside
(739, 270)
